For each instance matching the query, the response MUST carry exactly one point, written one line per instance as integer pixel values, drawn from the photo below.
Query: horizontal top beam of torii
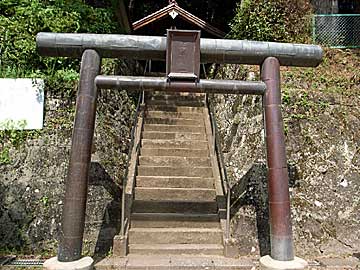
(154, 47)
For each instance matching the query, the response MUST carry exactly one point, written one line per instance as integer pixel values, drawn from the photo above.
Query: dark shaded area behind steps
(111, 221)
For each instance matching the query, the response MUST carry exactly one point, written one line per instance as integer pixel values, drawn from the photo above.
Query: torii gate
(92, 47)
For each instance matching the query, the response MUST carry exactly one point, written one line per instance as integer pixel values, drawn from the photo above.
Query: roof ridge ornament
(173, 2)
(173, 14)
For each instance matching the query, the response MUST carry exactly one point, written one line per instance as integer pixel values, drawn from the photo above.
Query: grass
(338, 73)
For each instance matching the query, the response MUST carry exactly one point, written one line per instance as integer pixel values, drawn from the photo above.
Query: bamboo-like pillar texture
(278, 180)
(73, 216)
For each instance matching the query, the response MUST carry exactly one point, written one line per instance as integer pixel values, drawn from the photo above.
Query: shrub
(21, 20)
(272, 20)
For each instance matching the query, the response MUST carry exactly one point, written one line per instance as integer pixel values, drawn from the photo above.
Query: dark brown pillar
(73, 216)
(278, 179)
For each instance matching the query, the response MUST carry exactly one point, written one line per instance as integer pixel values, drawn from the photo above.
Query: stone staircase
(175, 209)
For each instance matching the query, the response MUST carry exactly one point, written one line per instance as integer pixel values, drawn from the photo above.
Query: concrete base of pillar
(268, 263)
(120, 246)
(85, 263)
(230, 249)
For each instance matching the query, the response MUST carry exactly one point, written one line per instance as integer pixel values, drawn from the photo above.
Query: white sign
(21, 103)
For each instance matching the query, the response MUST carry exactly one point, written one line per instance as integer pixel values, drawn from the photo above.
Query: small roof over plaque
(183, 55)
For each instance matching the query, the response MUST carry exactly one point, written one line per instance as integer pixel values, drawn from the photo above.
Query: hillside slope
(322, 120)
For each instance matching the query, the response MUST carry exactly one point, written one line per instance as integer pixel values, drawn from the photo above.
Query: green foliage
(272, 20)
(338, 73)
(21, 20)
(285, 98)
(45, 201)
(12, 134)
(5, 155)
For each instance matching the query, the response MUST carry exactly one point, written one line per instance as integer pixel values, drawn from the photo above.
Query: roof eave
(185, 15)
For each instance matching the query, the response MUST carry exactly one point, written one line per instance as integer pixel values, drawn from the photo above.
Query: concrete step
(174, 121)
(196, 249)
(169, 194)
(189, 97)
(171, 220)
(164, 114)
(172, 93)
(174, 152)
(176, 102)
(175, 236)
(174, 128)
(171, 161)
(196, 136)
(174, 182)
(173, 108)
(195, 207)
(188, 144)
(205, 172)
(177, 257)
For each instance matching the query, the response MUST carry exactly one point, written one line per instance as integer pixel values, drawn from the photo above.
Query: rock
(322, 143)
(334, 247)
(32, 186)
(339, 263)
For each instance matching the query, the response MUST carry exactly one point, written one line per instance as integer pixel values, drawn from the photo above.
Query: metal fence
(337, 30)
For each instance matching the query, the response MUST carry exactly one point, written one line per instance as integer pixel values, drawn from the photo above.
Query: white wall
(21, 100)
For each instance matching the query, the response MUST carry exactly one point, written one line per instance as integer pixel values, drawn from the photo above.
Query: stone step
(205, 172)
(188, 144)
(196, 249)
(176, 102)
(176, 97)
(171, 161)
(174, 152)
(196, 136)
(174, 115)
(195, 207)
(169, 194)
(172, 93)
(175, 236)
(174, 121)
(174, 182)
(174, 128)
(173, 108)
(171, 220)
(177, 257)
